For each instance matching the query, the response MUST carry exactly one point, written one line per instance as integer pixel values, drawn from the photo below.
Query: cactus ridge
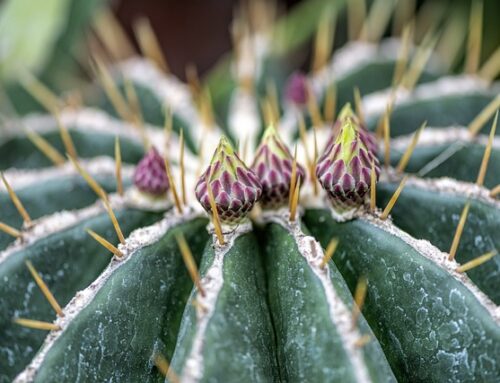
(177, 257)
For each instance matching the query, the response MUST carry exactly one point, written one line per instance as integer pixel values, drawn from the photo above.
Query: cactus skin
(150, 174)
(231, 335)
(417, 207)
(273, 317)
(120, 303)
(438, 304)
(303, 345)
(235, 187)
(18, 151)
(273, 166)
(344, 167)
(74, 254)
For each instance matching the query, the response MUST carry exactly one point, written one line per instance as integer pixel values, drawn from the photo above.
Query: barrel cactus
(341, 226)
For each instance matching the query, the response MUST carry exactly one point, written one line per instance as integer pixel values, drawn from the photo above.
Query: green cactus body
(119, 307)
(433, 315)
(458, 105)
(361, 258)
(60, 257)
(91, 141)
(44, 194)
(449, 152)
(314, 322)
(442, 207)
(217, 341)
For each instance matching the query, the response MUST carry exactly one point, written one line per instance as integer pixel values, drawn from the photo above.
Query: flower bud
(344, 168)
(150, 174)
(235, 188)
(273, 167)
(296, 89)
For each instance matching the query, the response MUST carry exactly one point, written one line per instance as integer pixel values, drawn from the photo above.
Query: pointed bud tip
(273, 165)
(344, 168)
(346, 112)
(234, 188)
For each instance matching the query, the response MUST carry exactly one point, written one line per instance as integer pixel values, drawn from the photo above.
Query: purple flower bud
(150, 175)
(273, 167)
(235, 188)
(296, 89)
(344, 168)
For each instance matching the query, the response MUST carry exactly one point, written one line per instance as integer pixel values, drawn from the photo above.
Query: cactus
(151, 238)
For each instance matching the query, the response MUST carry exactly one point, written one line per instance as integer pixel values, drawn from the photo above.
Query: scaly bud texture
(366, 136)
(273, 167)
(235, 187)
(296, 89)
(150, 174)
(344, 168)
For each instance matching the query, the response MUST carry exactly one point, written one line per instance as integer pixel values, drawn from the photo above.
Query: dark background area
(197, 31)
(191, 31)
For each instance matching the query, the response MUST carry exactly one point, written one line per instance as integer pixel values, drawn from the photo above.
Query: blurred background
(52, 38)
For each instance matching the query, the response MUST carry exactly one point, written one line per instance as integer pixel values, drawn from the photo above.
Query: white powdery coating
(166, 87)
(439, 136)
(444, 185)
(175, 95)
(142, 201)
(439, 258)
(102, 165)
(243, 118)
(212, 284)
(56, 222)
(340, 315)
(252, 50)
(346, 60)
(137, 240)
(65, 219)
(375, 104)
(83, 119)
(87, 120)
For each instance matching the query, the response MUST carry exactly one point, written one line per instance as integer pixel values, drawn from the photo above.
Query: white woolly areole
(82, 119)
(88, 120)
(252, 51)
(376, 103)
(56, 222)
(65, 219)
(440, 136)
(137, 240)
(165, 87)
(443, 185)
(102, 165)
(212, 284)
(243, 119)
(173, 93)
(340, 315)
